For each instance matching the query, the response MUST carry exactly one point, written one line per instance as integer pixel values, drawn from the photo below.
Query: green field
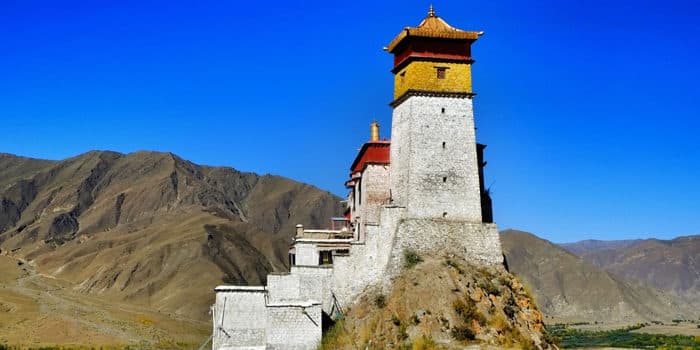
(568, 338)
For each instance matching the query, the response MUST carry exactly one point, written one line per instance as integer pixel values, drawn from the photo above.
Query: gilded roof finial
(431, 11)
(374, 131)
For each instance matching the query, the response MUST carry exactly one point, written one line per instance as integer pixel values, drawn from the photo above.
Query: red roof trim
(373, 152)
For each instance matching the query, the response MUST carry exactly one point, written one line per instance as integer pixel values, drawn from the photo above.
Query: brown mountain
(590, 245)
(669, 265)
(151, 228)
(568, 288)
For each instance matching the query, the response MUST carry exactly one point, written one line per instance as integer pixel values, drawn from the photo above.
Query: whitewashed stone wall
(430, 180)
(306, 253)
(239, 318)
(293, 327)
(474, 241)
(375, 192)
(283, 287)
(314, 284)
(248, 318)
(367, 262)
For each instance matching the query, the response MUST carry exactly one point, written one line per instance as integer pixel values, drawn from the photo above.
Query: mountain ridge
(137, 226)
(570, 289)
(671, 265)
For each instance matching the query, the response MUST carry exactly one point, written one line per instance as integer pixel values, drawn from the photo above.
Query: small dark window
(325, 258)
(342, 252)
(292, 259)
(443, 145)
(444, 179)
(403, 77)
(443, 111)
(444, 214)
(441, 72)
(359, 192)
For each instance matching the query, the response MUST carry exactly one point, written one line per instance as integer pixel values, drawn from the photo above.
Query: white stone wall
(476, 242)
(376, 191)
(367, 262)
(246, 318)
(306, 254)
(430, 180)
(283, 287)
(314, 284)
(239, 318)
(293, 327)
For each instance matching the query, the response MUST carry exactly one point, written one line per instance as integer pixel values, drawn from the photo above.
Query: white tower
(434, 163)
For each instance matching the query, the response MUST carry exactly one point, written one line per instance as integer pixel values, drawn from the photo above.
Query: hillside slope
(151, 228)
(567, 288)
(443, 303)
(669, 265)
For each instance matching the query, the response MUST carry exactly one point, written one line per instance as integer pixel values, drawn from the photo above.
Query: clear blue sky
(589, 108)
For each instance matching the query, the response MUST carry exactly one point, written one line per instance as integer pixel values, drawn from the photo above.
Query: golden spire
(374, 131)
(431, 11)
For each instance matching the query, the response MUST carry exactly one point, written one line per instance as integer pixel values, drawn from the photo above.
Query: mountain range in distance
(669, 265)
(133, 245)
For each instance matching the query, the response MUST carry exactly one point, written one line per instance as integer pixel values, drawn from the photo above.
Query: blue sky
(589, 108)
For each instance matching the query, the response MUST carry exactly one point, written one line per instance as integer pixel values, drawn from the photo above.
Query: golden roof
(433, 27)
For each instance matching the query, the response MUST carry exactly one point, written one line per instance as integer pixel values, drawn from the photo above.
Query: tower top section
(432, 58)
(432, 27)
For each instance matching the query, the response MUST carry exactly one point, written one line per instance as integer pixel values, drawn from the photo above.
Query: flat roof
(239, 289)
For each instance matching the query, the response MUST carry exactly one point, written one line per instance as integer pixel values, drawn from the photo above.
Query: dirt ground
(39, 310)
(683, 328)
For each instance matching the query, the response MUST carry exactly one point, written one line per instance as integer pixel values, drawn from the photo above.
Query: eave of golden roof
(433, 27)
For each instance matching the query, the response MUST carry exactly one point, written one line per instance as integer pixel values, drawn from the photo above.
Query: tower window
(443, 145)
(441, 72)
(325, 258)
(443, 111)
(359, 192)
(444, 214)
(444, 179)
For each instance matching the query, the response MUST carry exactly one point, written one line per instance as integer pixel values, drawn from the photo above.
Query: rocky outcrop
(447, 302)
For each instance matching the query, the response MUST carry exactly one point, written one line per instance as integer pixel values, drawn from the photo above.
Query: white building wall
(374, 194)
(239, 318)
(283, 287)
(430, 180)
(306, 254)
(474, 241)
(367, 261)
(376, 191)
(293, 327)
(314, 284)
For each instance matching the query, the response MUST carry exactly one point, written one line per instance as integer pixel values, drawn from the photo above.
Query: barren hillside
(569, 289)
(669, 265)
(151, 228)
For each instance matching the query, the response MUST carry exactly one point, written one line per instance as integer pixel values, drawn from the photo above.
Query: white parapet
(245, 319)
(239, 318)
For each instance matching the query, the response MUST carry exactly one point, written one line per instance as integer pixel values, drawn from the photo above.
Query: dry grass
(39, 311)
(438, 304)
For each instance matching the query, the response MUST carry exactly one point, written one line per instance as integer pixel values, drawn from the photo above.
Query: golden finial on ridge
(431, 11)
(374, 131)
